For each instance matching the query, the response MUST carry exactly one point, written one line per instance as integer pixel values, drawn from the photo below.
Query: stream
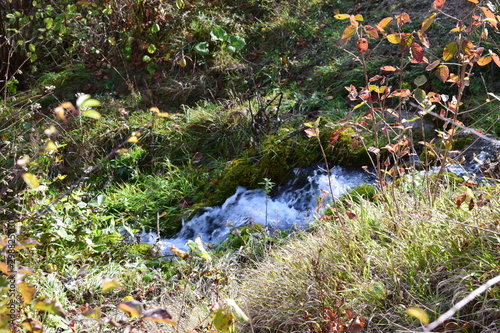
(288, 207)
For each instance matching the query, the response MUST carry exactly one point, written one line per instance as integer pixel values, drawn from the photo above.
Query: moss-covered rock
(348, 149)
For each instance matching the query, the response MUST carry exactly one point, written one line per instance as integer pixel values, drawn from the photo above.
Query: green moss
(348, 150)
(362, 192)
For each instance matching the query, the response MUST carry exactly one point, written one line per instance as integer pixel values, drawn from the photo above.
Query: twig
(448, 314)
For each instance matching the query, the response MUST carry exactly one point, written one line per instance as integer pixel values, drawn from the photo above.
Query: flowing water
(288, 207)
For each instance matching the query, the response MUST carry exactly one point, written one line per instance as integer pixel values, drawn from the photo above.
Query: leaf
(50, 306)
(384, 22)
(202, 48)
(490, 17)
(179, 252)
(485, 60)
(348, 32)
(433, 65)
(371, 31)
(151, 48)
(351, 215)
(182, 62)
(159, 316)
(420, 80)
(110, 284)
(94, 313)
(342, 16)
(439, 3)
(362, 45)
(419, 95)
(495, 58)
(79, 102)
(467, 47)
(197, 246)
(402, 19)
(417, 52)
(5, 269)
(359, 18)
(428, 21)
(133, 139)
(32, 325)
(240, 315)
(311, 132)
(30, 180)
(423, 39)
(400, 93)
(218, 34)
(236, 43)
(132, 308)
(406, 42)
(27, 292)
(155, 28)
(394, 39)
(450, 51)
(51, 146)
(419, 314)
(223, 320)
(91, 114)
(442, 73)
(388, 68)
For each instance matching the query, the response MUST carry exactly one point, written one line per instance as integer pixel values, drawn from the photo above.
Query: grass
(378, 265)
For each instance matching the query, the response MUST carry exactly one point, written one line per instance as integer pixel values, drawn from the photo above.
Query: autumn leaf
(31, 180)
(417, 52)
(348, 32)
(423, 39)
(402, 19)
(342, 16)
(94, 313)
(495, 58)
(406, 41)
(50, 306)
(27, 292)
(467, 47)
(442, 73)
(159, 316)
(450, 51)
(490, 17)
(371, 31)
(178, 252)
(400, 93)
(439, 3)
(384, 22)
(110, 284)
(393, 39)
(433, 65)
(132, 308)
(419, 314)
(32, 325)
(389, 69)
(362, 45)
(428, 21)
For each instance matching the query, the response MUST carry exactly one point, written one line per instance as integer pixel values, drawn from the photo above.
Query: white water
(291, 208)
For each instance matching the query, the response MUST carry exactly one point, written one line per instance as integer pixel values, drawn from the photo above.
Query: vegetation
(123, 116)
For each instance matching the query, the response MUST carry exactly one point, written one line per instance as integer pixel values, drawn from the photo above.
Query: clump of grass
(378, 263)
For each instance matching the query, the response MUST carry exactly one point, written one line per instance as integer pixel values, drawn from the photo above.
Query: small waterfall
(289, 207)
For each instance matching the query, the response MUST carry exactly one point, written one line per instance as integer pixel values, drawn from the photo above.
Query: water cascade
(290, 207)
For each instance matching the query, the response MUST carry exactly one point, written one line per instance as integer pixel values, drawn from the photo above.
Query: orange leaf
(495, 58)
(439, 3)
(388, 68)
(371, 31)
(490, 17)
(400, 93)
(342, 16)
(442, 73)
(483, 61)
(349, 32)
(430, 67)
(474, 1)
(402, 19)
(362, 45)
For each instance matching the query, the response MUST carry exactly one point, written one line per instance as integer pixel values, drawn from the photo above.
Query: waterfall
(291, 206)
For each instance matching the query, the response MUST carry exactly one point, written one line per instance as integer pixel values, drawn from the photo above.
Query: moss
(348, 150)
(364, 191)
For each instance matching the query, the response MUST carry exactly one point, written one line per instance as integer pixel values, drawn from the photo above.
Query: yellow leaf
(51, 146)
(393, 39)
(132, 308)
(50, 306)
(182, 62)
(94, 313)
(419, 314)
(349, 32)
(31, 180)
(110, 284)
(133, 139)
(359, 18)
(159, 316)
(384, 22)
(27, 292)
(342, 16)
(483, 61)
